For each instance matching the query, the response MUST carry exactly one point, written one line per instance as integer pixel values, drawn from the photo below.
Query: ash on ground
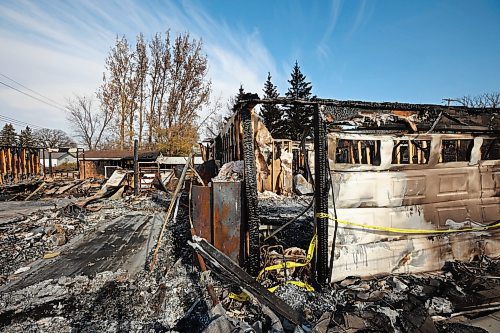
(70, 269)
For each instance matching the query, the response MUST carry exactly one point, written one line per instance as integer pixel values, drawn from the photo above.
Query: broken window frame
(417, 151)
(490, 149)
(370, 152)
(459, 153)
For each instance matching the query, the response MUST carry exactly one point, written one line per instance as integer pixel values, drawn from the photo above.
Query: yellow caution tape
(405, 231)
(301, 284)
(243, 297)
(292, 264)
(310, 250)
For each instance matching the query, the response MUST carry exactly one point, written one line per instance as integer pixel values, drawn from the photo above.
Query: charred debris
(384, 218)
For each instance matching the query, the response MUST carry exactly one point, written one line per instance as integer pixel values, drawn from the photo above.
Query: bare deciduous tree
(486, 100)
(493, 99)
(88, 122)
(189, 88)
(140, 79)
(214, 120)
(53, 138)
(162, 89)
(117, 92)
(217, 115)
(158, 83)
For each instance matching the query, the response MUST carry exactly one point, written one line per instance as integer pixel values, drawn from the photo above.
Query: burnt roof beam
(376, 106)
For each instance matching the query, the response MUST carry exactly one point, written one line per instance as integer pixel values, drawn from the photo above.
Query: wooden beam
(23, 159)
(242, 278)
(9, 161)
(14, 166)
(360, 153)
(3, 161)
(410, 152)
(351, 152)
(398, 152)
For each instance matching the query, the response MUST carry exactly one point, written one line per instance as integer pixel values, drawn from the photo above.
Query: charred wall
(18, 163)
(447, 185)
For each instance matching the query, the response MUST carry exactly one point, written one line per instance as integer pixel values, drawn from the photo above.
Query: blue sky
(407, 51)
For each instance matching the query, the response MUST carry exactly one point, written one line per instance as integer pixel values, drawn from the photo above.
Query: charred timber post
(321, 195)
(78, 161)
(50, 163)
(136, 167)
(43, 164)
(253, 262)
(84, 173)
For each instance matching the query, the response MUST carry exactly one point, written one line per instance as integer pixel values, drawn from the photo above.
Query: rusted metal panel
(227, 216)
(202, 212)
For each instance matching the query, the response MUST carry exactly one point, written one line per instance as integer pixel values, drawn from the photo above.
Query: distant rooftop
(119, 154)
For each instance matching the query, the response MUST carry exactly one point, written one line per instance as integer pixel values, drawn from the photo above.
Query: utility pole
(449, 100)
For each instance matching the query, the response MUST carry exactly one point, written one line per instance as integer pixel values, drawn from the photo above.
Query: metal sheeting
(227, 218)
(218, 217)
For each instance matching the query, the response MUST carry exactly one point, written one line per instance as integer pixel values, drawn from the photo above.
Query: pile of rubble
(172, 296)
(107, 301)
(454, 300)
(37, 189)
(28, 235)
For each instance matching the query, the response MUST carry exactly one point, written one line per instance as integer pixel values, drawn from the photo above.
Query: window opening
(411, 151)
(490, 149)
(456, 150)
(358, 152)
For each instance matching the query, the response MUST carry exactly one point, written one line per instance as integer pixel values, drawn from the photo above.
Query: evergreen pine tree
(241, 93)
(26, 138)
(233, 100)
(8, 136)
(299, 117)
(272, 114)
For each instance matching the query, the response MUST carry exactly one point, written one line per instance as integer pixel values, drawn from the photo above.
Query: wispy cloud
(58, 48)
(363, 14)
(323, 47)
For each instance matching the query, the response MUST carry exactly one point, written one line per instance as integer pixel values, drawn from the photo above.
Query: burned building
(102, 163)
(414, 186)
(18, 163)
(403, 236)
(398, 187)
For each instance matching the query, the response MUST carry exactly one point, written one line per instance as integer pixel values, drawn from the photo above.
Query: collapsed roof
(390, 116)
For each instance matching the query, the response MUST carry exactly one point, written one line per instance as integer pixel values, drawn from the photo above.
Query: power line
(33, 91)
(18, 122)
(34, 97)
